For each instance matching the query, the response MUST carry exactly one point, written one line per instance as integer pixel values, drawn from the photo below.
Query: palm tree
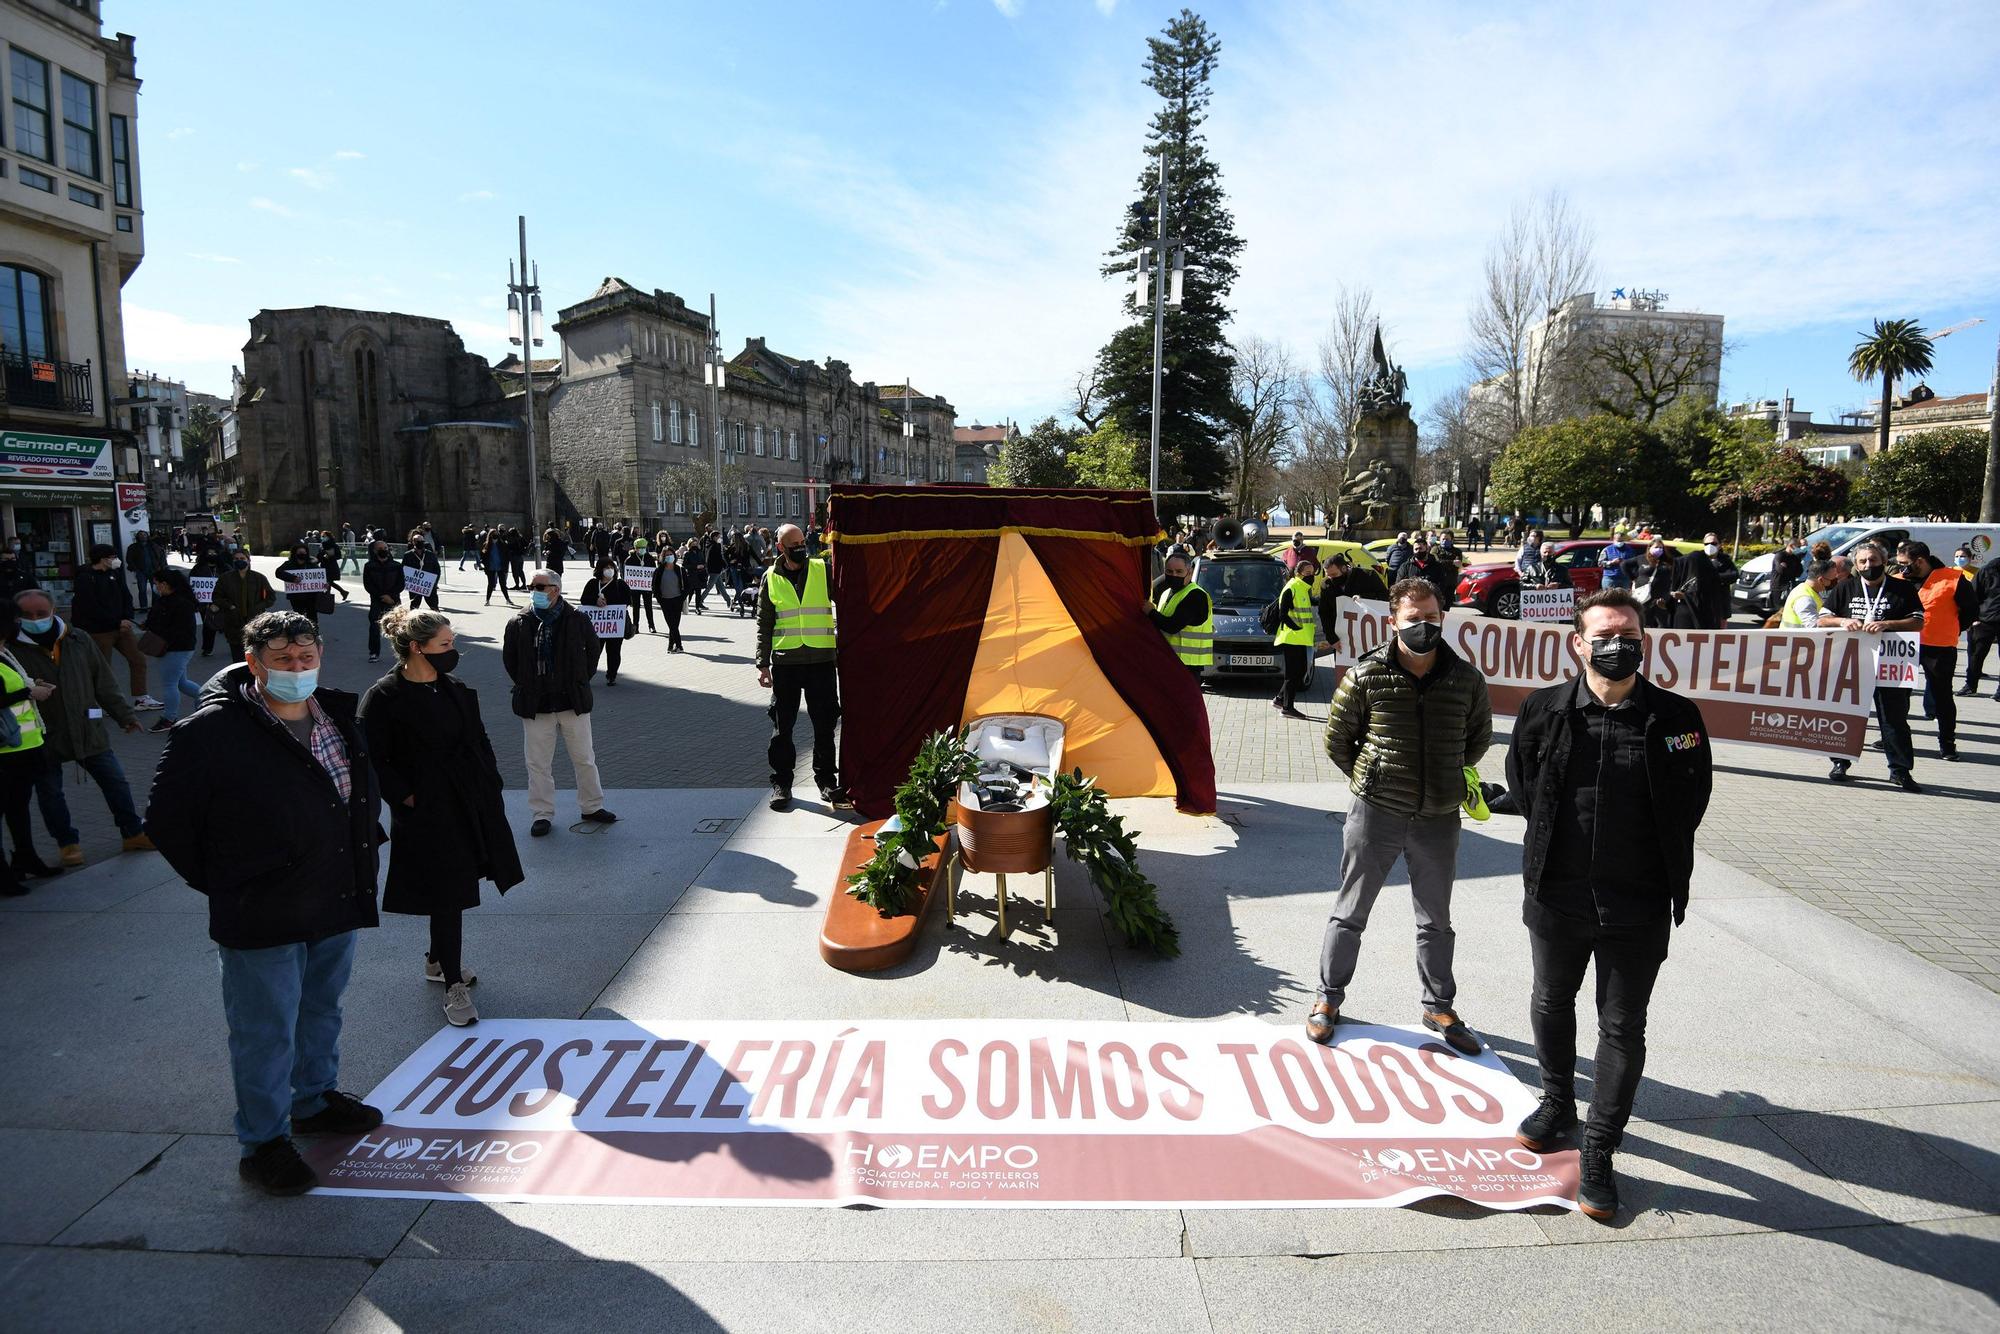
(1898, 348)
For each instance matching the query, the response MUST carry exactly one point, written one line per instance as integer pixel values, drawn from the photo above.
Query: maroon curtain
(1103, 586)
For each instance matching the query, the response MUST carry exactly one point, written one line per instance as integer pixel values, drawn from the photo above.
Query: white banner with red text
(1797, 689)
(1000, 1113)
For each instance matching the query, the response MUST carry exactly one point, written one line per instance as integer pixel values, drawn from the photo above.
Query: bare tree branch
(1542, 258)
(1086, 391)
(1264, 386)
(1641, 367)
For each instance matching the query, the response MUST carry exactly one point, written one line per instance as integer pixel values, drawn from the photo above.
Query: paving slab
(768, 874)
(193, 1200)
(94, 888)
(1855, 1278)
(454, 1230)
(1966, 1133)
(1144, 1296)
(58, 1289)
(1896, 1173)
(53, 1177)
(1440, 1224)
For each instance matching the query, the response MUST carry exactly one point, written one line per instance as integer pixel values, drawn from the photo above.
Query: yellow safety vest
(1194, 644)
(801, 622)
(1298, 593)
(25, 713)
(1791, 620)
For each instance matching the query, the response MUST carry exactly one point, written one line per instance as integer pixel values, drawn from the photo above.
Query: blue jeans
(283, 1008)
(174, 682)
(110, 778)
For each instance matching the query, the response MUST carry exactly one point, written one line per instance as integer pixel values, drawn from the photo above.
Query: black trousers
(18, 771)
(1627, 967)
(497, 580)
(671, 609)
(1939, 666)
(1892, 716)
(375, 615)
(1979, 637)
(431, 602)
(614, 652)
(448, 944)
(820, 687)
(1298, 657)
(520, 578)
(644, 599)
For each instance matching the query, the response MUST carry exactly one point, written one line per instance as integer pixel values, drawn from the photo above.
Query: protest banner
(998, 1113)
(419, 583)
(1794, 689)
(1548, 604)
(639, 578)
(610, 621)
(204, 588)
(304, 579)
(1896, 660)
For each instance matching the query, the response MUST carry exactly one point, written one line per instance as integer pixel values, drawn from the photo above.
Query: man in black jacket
(1345, 579)
(103, 610)
(1985, 626)
(265, 801)
(382, 579)
(1613, 774)
(1433, 569)
(1873, 603)
(550, 652)
(1191, 609)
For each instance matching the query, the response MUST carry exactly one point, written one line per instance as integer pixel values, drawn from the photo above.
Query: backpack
(1272, 615)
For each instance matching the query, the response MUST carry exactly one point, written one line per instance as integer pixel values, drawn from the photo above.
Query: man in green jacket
(57, 652)
(1406, 722)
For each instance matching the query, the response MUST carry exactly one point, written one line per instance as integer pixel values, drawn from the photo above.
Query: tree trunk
(1882, 424)
(1989, 502)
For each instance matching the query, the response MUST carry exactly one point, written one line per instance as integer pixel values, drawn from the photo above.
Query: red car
(1496, 589)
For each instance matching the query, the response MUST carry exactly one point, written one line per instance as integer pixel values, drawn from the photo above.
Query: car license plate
(1253, 660)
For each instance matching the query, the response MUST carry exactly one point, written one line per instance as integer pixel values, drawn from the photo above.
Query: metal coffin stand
(1003, 843)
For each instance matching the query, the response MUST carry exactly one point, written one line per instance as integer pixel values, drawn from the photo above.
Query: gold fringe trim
(923, 534)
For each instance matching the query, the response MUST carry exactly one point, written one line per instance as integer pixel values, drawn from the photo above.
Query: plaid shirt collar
(325, 742)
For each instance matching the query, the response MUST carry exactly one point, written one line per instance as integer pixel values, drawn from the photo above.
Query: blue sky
(925, 189)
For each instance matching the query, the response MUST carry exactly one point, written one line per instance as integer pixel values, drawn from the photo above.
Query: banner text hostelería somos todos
(1801, 689)
(1008, 1113)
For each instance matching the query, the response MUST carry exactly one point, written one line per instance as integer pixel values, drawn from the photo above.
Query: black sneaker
(540, 829)
(1597, 1186)
(1966, 690)
(600, 816)
(781, 797)
(1452, 1029)
(1839, 774)
(1905, 782)
(344, 1114)
(275, 1168)
(1548, 1123)
(36, 867)
(836, 797)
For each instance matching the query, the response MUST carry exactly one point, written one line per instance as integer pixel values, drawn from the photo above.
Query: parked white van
(1751, 594)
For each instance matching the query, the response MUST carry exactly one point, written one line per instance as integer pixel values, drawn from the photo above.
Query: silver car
(1239, 584)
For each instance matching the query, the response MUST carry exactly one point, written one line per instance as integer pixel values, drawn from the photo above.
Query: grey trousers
(1372, 841)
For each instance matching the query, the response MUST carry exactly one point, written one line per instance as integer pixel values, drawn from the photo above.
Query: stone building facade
(635, 437)
(374, 418)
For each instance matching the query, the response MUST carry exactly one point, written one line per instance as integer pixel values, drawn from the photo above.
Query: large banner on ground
(1003, 1113)
(1799, 689)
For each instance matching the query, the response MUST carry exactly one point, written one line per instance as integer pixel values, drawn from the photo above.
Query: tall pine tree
(1195, 391)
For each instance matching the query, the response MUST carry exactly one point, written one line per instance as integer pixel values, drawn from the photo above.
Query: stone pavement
(1819, 1142)
(1922, 871)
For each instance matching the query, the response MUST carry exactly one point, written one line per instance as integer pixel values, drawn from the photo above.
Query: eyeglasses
(293, 630)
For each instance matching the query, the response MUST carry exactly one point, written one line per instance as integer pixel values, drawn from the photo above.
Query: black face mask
(1874, 576)
(1176, 581)
(443, 662)
(1421, 636)
(381, 555)
(795, 555)
(1616, 659)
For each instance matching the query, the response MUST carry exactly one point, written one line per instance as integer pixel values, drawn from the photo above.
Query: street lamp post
(1160, 272)
(524, 330)
(714, 374)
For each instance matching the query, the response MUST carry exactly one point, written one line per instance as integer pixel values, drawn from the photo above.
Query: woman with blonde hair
(448, 826)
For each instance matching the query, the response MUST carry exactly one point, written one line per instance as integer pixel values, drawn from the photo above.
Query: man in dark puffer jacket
(1406, 721)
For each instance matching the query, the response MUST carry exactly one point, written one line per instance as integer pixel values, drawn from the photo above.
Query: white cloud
(272, 207)
(476, 196)
(208, 257)
(163, 341)
(311, 177)
(349, 155)
(1008, 8)
(1106, 7)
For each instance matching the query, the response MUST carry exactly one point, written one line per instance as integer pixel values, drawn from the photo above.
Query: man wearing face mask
(1872, 603)
(1345, 579)
(241, 595)
(1985, 627)
(795, 659)
(550, 651)
(382, 579)
(1805, 602)
(288, 862)
(1949, 605)
(1407, 720)
(103, 610)
(1613, 775)
(1711, 547)
(1181, 611)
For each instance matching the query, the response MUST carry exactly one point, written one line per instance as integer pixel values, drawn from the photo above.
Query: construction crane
(1934, 335)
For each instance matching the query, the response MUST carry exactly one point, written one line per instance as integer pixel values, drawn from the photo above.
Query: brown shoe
(1453, 1030)
(139, 842)
(1320, 1021)
(72, 854)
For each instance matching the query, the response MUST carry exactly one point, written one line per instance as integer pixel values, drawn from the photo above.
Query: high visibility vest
(1194, 645)
(1298, 594)
(802, 622)
(1794, 615)
(26, 715)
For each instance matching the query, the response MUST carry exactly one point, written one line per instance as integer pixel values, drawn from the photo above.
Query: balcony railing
(36, 382)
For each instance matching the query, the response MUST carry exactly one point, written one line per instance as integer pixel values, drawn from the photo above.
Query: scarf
(545, 637)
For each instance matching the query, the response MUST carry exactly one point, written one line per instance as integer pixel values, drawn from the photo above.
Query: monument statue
(1381, 497)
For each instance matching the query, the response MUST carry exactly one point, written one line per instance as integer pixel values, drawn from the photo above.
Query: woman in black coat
(309, 604)
(448, 828)
(607, 589)
(173, 619)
